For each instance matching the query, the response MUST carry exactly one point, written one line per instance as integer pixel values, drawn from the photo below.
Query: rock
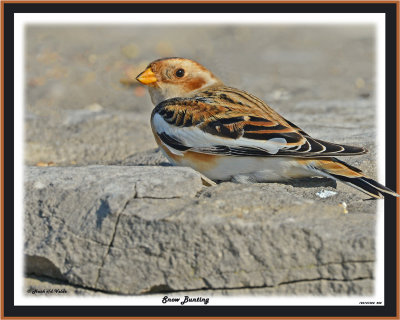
(71, 213)
(131, 228)
(135, 230)
(87, 136)
(153, 157)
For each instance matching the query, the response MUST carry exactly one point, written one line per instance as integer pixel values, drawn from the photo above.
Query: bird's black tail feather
(367, 185)
(354, 177)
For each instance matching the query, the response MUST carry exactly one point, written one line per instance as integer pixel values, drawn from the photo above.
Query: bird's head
(175, 77)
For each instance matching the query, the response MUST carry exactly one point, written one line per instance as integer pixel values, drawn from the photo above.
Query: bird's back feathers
(235, 117)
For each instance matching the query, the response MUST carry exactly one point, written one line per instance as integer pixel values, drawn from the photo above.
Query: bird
(227, 134)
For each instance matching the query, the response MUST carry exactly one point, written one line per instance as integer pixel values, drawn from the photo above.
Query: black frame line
(391, 296)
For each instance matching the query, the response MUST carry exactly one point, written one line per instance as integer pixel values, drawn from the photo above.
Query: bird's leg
(206, 181)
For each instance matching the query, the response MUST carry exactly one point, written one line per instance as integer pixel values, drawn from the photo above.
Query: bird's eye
(180, 73)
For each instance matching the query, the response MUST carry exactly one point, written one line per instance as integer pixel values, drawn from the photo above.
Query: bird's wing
(232, 122)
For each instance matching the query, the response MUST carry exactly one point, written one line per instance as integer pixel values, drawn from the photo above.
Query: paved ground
(80, 110)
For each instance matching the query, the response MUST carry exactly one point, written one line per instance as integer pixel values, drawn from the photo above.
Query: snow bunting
(229, 134)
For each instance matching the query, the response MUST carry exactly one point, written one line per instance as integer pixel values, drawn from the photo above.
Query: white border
(22, 19)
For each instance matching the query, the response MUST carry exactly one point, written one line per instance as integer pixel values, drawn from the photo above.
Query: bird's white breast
(257, 169)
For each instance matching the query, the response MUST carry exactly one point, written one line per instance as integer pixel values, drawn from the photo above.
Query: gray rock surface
(108, 214)
(126, 230)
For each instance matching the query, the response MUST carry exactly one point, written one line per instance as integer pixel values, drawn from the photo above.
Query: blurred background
(84, 106)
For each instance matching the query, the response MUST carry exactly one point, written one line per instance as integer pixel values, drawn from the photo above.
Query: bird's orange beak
(147, 77)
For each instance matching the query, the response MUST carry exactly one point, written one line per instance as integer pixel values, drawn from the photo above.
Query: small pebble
(94, 107)
(360, 83)
(45, 164)
(344, 205)
(281, 94)
(92, 58)
(39, 185)
(325, 194)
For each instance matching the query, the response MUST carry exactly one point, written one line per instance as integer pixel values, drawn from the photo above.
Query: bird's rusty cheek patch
(194, 84)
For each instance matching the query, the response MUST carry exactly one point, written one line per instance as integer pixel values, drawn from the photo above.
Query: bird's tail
(352, 176)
